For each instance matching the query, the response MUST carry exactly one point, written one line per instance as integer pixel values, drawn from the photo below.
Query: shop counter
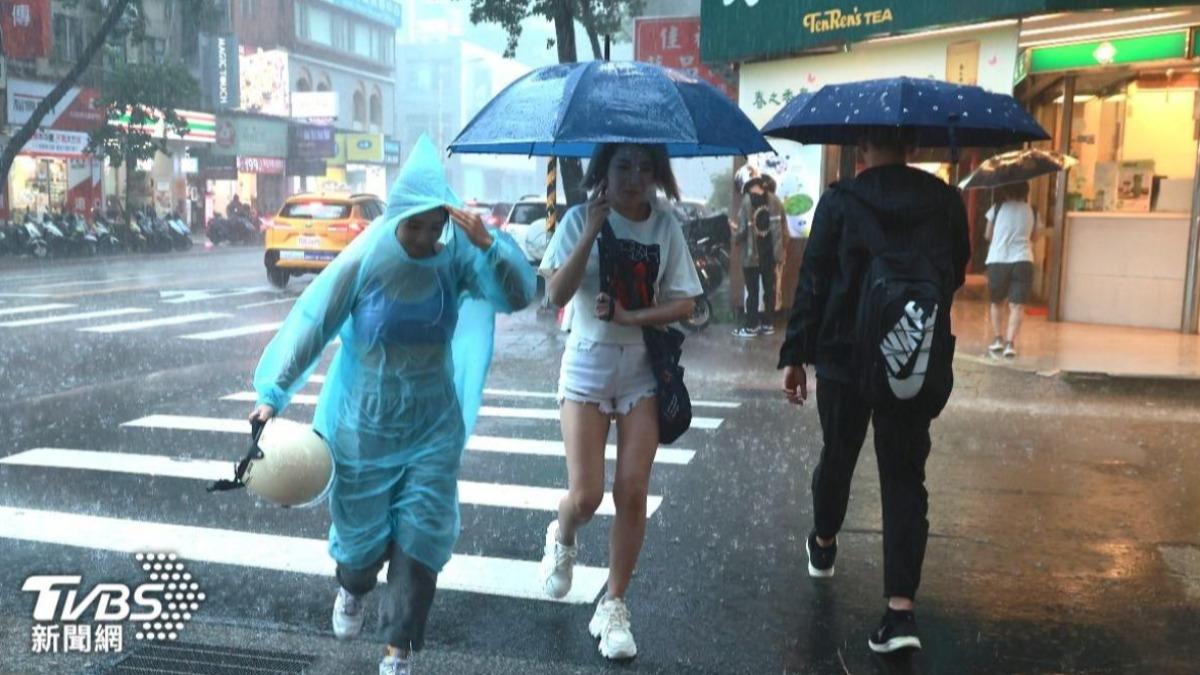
(1125, 269)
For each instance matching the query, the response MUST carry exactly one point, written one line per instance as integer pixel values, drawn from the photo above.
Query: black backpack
(903, 348)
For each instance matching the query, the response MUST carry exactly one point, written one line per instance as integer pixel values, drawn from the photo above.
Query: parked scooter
(56, 240)
(106, 241)
(708, 242)
(181, 236)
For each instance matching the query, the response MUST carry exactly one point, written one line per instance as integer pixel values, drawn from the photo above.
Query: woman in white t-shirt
(1009, 263)
(605, 373)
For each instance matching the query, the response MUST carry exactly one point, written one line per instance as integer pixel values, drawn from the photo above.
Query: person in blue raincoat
(413, 303)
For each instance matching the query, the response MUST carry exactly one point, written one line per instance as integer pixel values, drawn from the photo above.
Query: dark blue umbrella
(940, 114)
(565, 110)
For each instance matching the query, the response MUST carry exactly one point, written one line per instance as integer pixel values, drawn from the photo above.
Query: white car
(527, 224)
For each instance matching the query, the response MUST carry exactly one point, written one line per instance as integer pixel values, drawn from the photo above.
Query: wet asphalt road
(1065, 517)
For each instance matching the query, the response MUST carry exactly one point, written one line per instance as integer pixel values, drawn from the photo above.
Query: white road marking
(179, 297)
(519, 446)
(706, 423)
(28, 309)
(469, 492)
(269, 302)
(472, 574)
(155, 323)
(240, 331)
(82, 316)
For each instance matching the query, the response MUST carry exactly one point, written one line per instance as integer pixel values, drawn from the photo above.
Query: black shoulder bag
(664, 346)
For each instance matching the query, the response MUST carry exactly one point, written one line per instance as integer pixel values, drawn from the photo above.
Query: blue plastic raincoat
(403, 390)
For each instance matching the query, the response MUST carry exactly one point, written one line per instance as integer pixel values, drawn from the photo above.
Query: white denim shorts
(613, 376)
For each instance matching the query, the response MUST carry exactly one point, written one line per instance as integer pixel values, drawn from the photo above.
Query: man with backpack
(887, 251)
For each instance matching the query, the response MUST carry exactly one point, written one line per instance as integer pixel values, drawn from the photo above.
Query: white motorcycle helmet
(294, 466)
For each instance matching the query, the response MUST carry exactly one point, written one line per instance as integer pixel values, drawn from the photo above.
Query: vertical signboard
(221, 81)
(25, 26)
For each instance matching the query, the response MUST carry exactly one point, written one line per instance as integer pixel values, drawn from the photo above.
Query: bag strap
(239, 470)
(609, 252)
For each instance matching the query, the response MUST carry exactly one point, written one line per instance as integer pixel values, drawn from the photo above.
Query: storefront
(52, 173)
(1127, 248)
(1115, 82)
(247, 160)
(310, 147)
(162, 181)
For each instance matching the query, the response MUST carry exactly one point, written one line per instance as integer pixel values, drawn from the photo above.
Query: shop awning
(747, 30)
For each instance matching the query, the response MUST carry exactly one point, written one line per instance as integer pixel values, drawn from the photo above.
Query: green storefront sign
(744, 30)
(1109, 52)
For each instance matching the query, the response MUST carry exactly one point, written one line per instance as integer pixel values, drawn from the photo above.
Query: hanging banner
(77, 111)
(25, 25)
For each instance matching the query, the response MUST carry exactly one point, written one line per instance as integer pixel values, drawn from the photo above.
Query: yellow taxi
(311, 229)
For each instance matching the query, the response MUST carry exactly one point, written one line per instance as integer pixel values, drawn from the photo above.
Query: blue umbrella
(939, 113)
(565, 110)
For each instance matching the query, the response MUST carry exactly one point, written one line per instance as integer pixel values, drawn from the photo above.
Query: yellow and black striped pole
(551, 194)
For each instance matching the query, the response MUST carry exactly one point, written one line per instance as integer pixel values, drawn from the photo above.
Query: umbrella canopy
(565, 110)
(1016, 167)
(939, 113)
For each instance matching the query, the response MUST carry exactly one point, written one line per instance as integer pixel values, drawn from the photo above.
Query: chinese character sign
(674, 42)
(25, 25)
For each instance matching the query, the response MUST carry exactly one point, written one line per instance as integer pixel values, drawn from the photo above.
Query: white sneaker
(1010, 350)
(996, 346)
(347, 616)
(558, 563)
(611, 625)
(395, 665)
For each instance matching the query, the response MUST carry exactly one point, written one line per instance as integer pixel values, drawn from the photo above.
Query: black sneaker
(897, 631)
(820, 559)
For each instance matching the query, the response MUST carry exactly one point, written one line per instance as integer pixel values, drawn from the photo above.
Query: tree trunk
(570, 171)
(52, 99)
(589, 24)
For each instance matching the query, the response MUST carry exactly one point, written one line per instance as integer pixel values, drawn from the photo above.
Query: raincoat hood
(422, 184)
(900, 194)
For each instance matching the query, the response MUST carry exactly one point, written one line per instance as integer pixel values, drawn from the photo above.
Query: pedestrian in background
(758, 234)
(887, 218)
(414, 313)
(1010, 228)
(606, 372)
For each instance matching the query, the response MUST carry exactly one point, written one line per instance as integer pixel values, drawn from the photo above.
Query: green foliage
(599, 17)
(145, 94)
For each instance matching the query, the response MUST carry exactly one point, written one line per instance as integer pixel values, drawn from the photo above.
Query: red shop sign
(272, 165)
(674, 42)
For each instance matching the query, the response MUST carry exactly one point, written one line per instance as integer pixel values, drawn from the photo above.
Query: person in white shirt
(605, 373)
(1010, 229)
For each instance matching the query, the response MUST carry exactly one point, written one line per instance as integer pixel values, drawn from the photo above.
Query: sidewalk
(1052, 348)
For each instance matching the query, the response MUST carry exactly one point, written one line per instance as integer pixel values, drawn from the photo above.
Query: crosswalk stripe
(706, 423)
(100, 282)
(468, 573)
(34, 308)
(523, 446)
(469, 492)
(520, 393)
(177, 297)
(155, 323)
(264, 303)
(82, 316)
(498, 444)
(235, 332)
(26, 295)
